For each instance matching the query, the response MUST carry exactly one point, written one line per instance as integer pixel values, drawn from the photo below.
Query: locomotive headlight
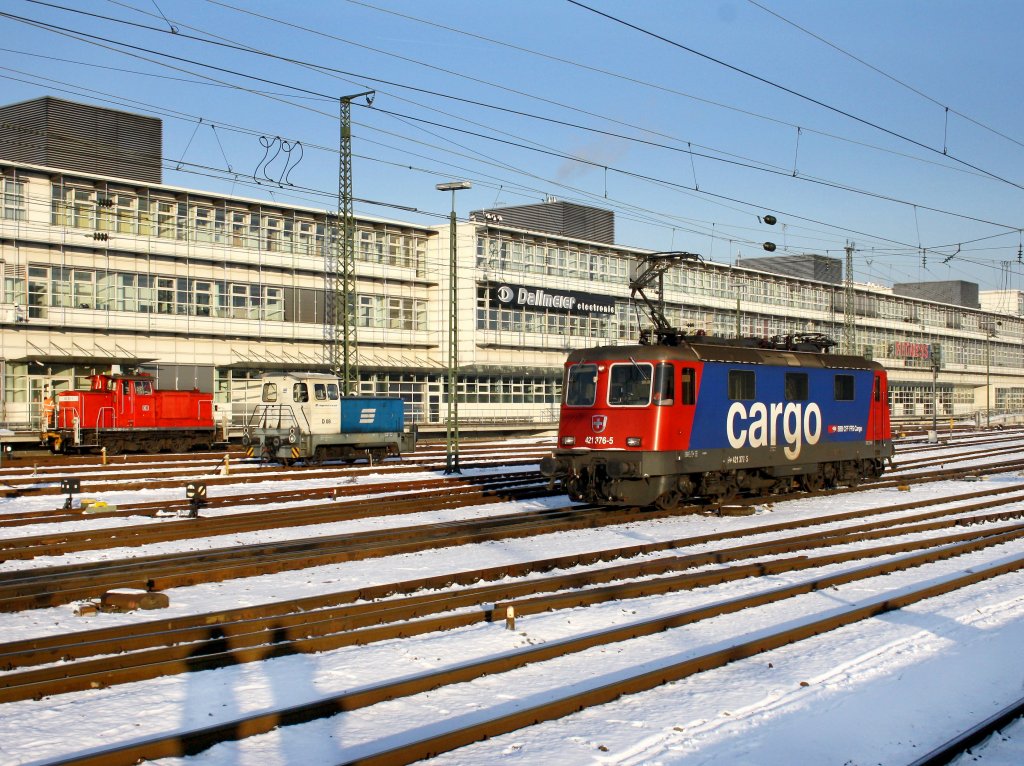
(568, 441)
(632, 441)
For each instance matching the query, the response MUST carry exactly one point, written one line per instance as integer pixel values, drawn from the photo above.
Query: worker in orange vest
(49, 408)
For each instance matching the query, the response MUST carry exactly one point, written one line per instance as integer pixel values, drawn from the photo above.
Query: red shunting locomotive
(127, 413)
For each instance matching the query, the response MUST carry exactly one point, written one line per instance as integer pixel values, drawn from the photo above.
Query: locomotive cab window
(300, 393)
(332, 391)
(741, 385)
(320, 392)
(581, 385)
(629, 385)
(878, 389)
(664, 384)
(688, 385)
(844, 388)
(796, 386)
(144, 387)
(270, 392)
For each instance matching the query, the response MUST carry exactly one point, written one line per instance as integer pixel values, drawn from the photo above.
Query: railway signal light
(769, 246)
(195, 493)
(69, 487)
(769, 219)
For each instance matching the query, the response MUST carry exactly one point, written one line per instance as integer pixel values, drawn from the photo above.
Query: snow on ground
(885, 690)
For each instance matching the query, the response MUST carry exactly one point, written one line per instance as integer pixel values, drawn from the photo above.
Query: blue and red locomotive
(696, 416)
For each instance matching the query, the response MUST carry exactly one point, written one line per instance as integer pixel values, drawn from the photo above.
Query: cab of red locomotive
(128, 412)
(655, 424)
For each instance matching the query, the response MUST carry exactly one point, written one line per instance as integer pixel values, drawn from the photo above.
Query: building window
(202, 292)
(239, 226)
(84, 289)
(13, 199)
(202, 224)
(164, 295)
(272, 233)
(38, 292)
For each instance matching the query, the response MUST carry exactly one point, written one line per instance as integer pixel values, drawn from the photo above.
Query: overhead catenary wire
(737, 201)
(326, 96)
(797, 94)
(946, 108)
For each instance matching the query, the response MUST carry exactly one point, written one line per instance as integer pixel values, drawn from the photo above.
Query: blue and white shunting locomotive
(302, 416)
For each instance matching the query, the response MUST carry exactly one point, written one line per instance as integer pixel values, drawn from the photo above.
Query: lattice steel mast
(849, 315)
(341, 353)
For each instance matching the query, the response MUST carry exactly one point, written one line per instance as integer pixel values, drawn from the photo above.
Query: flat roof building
(203, 289)
(63, 134)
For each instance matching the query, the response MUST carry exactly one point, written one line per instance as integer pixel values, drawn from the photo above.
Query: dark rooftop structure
(566, 219)
(821, 268)
(80, 137)
(954, 292)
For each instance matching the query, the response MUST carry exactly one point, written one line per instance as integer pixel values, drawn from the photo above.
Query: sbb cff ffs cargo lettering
(712, 418)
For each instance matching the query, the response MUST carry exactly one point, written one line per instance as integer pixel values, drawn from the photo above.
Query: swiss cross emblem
(598, 423)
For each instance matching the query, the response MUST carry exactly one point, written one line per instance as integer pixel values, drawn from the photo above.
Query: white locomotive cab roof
(303, 375)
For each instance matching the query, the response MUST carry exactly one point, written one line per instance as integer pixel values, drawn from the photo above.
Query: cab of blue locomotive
(659, 424)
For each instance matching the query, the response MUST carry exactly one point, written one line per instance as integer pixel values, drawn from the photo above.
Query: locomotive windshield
(581, 387)
(629, 385)
(325, 391)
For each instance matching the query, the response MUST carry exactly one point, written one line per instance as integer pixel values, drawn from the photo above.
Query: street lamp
(452, 429)
(990, 330)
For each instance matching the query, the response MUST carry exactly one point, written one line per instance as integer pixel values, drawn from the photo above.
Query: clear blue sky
(918, 145)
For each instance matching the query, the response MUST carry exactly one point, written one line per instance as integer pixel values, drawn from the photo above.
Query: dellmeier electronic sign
(566, 301)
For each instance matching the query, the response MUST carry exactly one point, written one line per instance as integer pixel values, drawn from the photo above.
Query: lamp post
(988, 379)
(990, 331)
(452, 429)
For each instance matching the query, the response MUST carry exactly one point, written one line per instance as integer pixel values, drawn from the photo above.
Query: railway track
(300, 620)
(965, 741)
(115, 478)
(290, 510)
(193, 741)
(102, 659)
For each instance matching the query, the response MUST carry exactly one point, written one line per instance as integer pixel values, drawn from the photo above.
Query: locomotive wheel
(812, 482)
(667, 501)
(829, 475)
(317, 458)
